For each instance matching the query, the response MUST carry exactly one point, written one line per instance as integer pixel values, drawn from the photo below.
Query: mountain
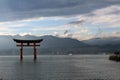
(50, 44)
(52, 41)
(109, 44)
(57, 45)
(103, 41)
(6, 42)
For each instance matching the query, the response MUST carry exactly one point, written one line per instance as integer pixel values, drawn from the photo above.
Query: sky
(79, 19)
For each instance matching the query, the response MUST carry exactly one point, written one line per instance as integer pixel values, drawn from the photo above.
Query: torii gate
(28, 43)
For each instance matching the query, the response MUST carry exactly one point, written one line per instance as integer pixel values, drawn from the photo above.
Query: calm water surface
(59, 67)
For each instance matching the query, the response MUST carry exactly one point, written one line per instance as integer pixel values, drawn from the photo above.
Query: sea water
(59, 67)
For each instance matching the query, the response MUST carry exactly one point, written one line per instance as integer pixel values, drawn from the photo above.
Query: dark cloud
(118, 32)
(66, 32)
(76, 22)
(23, 9)
(70, 35)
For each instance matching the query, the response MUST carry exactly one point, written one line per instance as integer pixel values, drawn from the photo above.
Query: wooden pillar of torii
(28, 43)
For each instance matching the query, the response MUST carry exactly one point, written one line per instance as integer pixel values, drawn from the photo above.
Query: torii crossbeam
(28, 43)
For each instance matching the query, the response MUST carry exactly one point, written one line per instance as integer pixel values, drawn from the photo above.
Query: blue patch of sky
(111, 29)
(42, 23)
(22, 30)
(50, 23)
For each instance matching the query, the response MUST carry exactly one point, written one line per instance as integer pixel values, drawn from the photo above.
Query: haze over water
(59, 67)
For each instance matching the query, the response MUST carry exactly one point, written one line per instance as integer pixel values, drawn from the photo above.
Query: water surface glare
(59, 67)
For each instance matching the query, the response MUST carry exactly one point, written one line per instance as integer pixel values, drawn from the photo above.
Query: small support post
(21, 52)
(35, 53)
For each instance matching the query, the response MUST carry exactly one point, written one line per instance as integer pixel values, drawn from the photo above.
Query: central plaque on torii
(28, 43)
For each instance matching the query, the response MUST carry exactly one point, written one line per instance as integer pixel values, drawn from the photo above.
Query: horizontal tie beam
(27, 45)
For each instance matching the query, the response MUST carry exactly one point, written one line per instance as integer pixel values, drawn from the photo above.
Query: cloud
(6, 31)
(25, 33)
(11, 26)
(12, 10)
(117, 33)
(66, 32)
(84, 30)
(76, 22)
(80, 35)
(108, 16)
(108, 34)
(79, 19)
(58, 28)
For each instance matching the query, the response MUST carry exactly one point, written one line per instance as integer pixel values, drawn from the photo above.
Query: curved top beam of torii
(28, 41)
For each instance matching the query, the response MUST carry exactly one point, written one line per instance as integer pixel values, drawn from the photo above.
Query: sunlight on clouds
(108, 10)
(80, 36)
(18, 25)
(4, 28)
(102, 19)
(7, 33)
(77, 33)
(50, 28)
(109, 16)
(83, 30)
(46, 18)
(116, 33)
(32, 19)
(12, 24)
(110, 34)
(25, 33)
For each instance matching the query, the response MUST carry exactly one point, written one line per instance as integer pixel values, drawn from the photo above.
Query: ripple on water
(59, 67)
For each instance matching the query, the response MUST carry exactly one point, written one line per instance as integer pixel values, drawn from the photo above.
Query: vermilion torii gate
(28, 43)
